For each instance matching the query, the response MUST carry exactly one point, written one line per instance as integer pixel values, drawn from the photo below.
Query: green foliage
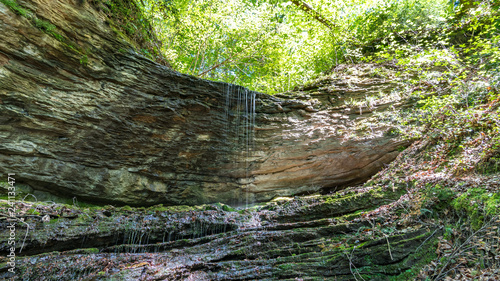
(272, 45)
(44, 25)
(84, 60)
(33, 212)
(128, 17)
(478, 203)
(16, 8)
(388, 20)
(453, 80)
(436, 199)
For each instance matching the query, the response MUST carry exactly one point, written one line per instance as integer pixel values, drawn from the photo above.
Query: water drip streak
(246, 125)
(246, 143)
(228, 93)
(227, 109)
(253, 120)
(238, 120)
(240, 113)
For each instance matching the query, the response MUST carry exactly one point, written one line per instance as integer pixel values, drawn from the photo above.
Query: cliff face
(82, 114)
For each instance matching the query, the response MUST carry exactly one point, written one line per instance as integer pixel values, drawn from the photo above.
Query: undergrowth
(129, 19)
(452, 170)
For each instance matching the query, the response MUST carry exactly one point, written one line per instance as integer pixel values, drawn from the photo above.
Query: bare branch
(312, 12)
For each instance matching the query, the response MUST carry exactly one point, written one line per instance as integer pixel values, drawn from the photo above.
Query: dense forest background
(273, 46)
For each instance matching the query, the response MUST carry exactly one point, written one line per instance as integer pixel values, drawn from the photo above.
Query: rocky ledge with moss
(340, 236)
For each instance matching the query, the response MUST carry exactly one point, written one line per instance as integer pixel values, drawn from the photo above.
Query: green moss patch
(46, 27)
(128, 20)
(478, 203)
(16, 8)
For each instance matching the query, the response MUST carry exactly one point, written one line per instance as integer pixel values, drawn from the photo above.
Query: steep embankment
(83, 115)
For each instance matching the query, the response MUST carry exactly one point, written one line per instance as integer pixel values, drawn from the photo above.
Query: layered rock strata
(82, 115)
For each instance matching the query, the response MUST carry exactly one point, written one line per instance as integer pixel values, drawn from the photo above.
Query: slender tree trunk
(312, 12)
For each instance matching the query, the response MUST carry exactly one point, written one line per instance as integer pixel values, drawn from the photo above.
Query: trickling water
(240, 125)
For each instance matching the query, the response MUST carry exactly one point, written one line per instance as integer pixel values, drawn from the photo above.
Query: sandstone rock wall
(82, 115)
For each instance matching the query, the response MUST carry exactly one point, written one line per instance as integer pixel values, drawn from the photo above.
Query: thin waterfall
(240, 126)
(238, 117)
(247, 137)
(254, 95)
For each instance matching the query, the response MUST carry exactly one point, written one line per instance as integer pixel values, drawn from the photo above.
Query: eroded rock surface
(82, 115)
(345, 236)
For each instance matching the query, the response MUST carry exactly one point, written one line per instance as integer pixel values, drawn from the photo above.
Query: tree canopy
(274, 45)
